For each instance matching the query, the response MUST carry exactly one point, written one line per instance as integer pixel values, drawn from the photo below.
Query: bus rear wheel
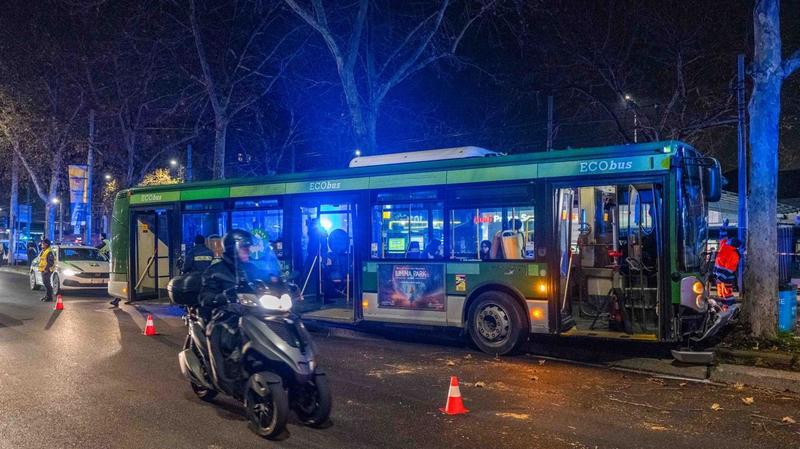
(496, 323)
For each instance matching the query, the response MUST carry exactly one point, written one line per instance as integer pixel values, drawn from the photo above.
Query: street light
(358, 152)
(173, 162)
(108, 177)
(632, 104)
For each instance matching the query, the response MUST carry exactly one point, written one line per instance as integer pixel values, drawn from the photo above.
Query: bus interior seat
(414, 251)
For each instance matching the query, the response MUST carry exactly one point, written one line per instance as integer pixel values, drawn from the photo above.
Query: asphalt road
(86, 377)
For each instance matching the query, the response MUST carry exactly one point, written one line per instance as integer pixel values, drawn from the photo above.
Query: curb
(757, 377)
(668, 367)
(20, 270)
(340, 332)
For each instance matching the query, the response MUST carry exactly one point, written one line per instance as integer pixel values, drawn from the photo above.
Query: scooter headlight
(272, 302)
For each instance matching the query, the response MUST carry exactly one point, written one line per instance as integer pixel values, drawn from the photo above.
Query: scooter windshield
(258, 261)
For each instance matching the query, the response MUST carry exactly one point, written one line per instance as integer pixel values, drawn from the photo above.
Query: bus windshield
(692, 215)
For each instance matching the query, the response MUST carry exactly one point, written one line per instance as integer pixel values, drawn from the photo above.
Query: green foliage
(160, 176)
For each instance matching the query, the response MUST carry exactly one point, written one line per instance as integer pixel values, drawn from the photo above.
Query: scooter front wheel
(312, 401)
(267, 405)
(202, 392)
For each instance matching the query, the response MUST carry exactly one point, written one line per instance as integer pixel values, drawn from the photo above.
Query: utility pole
(89, 179)
(549, 123)
(189, 174)
(742, 159)
(13, 211)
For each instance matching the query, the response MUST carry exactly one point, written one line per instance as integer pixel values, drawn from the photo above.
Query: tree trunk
(89, 179)
(53, 193)
(220, 134)
(13, 209)
(361, 134)
(761, 270)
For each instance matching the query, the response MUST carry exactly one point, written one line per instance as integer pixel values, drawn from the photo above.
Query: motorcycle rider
(220, 282)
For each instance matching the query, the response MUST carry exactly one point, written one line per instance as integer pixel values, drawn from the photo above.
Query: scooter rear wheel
(267, 410)
(312, 401)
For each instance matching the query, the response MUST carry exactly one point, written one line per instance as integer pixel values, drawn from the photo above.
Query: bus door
(326, 258)
(151, 254)
(609, 259)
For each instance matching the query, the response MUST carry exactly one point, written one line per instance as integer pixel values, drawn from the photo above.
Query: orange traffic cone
(59, 303)
(455, 406)
(149, 327)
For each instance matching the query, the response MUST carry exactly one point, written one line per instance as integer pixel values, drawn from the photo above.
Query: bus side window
(407, 225)
(492, 233)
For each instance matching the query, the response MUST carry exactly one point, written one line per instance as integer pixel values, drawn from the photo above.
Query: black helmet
(233, 240)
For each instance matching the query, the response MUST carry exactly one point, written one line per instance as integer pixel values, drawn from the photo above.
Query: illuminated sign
(146, 197)
(156, 197)
(316, 186)
(601, 166)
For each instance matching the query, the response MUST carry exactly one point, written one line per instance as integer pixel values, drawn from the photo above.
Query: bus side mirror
(712, 182)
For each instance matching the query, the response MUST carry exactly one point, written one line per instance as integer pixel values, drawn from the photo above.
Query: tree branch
(791, 64)
(201, 54)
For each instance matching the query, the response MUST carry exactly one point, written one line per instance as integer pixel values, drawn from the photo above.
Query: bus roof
(422, 156)
(640, 157)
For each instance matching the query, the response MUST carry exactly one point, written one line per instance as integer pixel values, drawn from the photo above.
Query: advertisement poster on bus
(418, 286)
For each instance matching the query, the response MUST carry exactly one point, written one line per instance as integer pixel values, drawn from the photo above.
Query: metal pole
(742, 160)
(189, 174)
(635, 126)
(60, 222)
(549, 123)
(89, 217)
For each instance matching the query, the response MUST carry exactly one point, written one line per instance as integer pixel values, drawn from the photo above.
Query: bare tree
(634, 73)
(41, 138)
(244, 69)
(369, 67)
(768, 72)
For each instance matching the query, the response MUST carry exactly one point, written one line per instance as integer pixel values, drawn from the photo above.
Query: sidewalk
(18, 269)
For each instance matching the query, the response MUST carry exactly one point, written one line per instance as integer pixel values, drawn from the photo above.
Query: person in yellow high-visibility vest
(46, 263)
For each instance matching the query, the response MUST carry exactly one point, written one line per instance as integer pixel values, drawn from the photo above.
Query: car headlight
(70, 272)
(272, 302)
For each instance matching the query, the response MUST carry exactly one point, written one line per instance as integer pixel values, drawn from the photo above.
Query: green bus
(606, 242)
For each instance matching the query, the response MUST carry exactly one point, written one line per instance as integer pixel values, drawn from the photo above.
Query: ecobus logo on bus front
(324, 185)
(598, 166)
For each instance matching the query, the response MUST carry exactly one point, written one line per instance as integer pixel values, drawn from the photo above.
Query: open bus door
(326, 257)
(609, 260)
(151, 253)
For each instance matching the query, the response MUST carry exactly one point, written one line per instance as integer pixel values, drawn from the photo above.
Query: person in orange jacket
(725, 267)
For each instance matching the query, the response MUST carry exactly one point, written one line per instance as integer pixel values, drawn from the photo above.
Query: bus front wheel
(496, 323)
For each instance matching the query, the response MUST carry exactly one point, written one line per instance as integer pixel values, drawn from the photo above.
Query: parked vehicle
(77, 267)
(273, 367)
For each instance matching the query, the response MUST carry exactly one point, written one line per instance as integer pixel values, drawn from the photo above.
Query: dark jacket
(219, 281)
(198, 258)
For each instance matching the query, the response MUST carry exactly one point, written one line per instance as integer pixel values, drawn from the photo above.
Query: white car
(76, 267)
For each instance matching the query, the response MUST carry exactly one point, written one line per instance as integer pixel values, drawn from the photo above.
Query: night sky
(675, 60)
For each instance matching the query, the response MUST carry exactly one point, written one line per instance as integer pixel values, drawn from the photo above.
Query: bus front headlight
(693, 294)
